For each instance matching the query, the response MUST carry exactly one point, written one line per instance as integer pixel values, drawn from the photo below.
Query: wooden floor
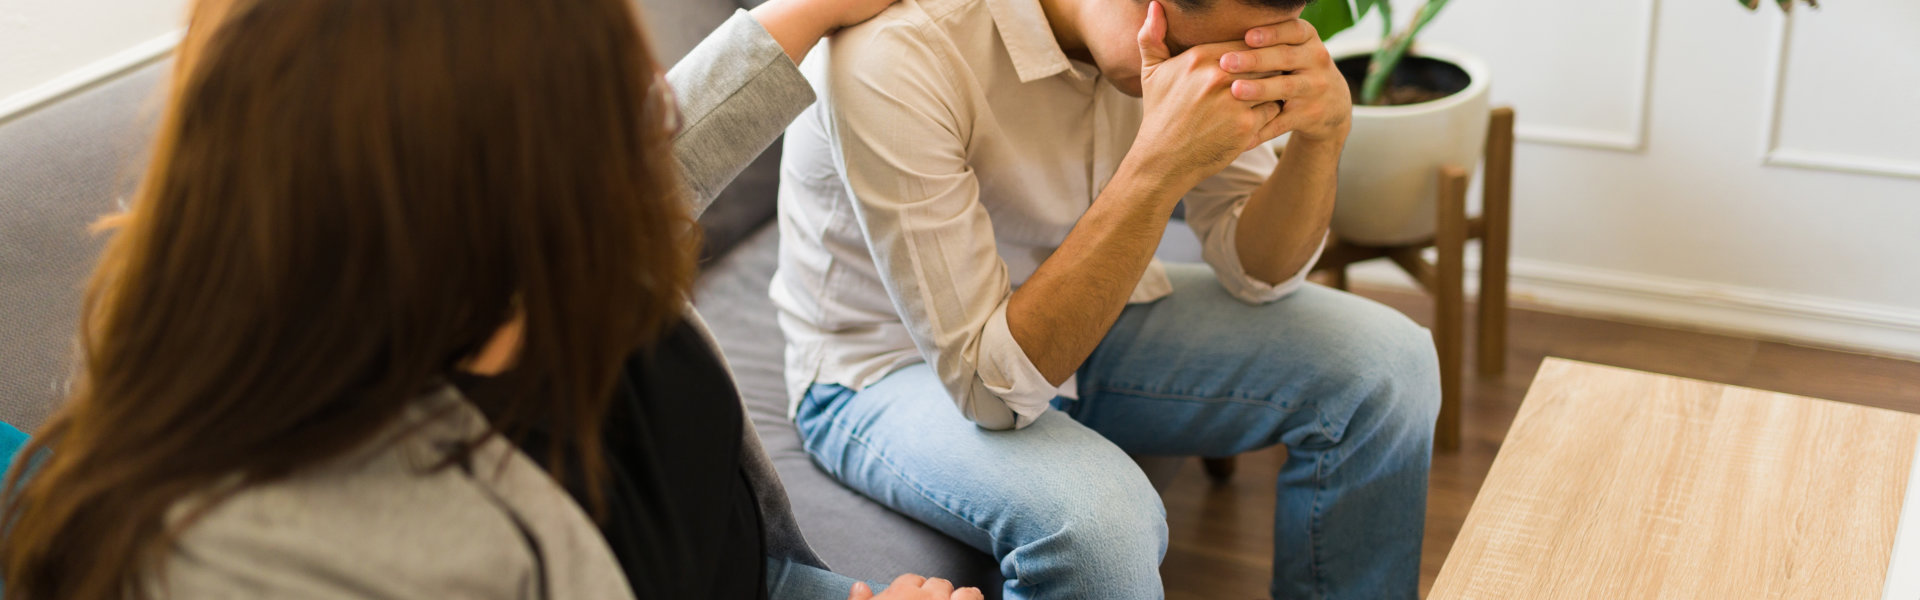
(1222, 535)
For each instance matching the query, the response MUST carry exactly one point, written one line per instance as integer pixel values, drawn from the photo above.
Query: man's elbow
(1255, 292)
(992, 409)
(987, 410)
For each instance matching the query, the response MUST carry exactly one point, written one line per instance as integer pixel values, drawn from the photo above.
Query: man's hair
(1274, 4)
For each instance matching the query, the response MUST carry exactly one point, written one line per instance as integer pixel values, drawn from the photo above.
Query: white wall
(48, 47)
(1687, 161)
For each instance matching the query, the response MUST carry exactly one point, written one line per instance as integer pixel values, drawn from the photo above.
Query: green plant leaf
(1330, 17)
(1360, 8)
(1394, 48)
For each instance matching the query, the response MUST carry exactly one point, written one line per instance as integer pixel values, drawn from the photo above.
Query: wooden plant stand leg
(1495, 248)
(1450, 240)
(1219, 469)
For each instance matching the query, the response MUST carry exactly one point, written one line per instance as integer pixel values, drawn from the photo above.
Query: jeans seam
(1326, 428)
(1314, 535)
(1191, 397)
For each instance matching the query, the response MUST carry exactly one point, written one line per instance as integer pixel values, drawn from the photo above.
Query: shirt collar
(1029, 38)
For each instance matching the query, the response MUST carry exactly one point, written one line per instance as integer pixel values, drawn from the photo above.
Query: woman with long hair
(399, 312)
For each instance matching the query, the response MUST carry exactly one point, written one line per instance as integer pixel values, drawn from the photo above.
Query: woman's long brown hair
(346, 198)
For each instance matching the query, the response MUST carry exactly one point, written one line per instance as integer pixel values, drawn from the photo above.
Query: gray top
(379, 523)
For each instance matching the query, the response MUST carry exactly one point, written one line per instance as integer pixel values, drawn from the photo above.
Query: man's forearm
(1287, 216)
(1063, 311)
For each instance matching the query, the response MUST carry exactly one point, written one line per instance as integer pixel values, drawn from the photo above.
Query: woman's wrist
(795, 25)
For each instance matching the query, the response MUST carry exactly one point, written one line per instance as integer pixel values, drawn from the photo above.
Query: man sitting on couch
(968, 219)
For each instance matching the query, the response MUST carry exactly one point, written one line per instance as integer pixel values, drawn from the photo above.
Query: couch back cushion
(65, 164)
(61, 167)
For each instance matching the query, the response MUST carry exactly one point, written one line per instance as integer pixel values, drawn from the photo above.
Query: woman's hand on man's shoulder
(851, 12)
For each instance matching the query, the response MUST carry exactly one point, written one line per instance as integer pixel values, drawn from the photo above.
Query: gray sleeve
(737, 92)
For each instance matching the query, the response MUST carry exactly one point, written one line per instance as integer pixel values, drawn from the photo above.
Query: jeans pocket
(817, 409)
(1067, 406)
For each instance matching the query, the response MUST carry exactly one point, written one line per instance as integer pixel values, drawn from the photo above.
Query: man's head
(1110, 29)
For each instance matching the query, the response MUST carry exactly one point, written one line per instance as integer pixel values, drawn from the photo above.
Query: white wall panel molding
(96, 72)
(1578, 137)
(1632, 139)
(1539, 48)
(1766, 314)
(1841, 163)
(1779, 154)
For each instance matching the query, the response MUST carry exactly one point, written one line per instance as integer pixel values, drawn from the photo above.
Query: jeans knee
(1389, 371)
(1129, 522)
(1114, 531)
(1413, 364)
(1136, 519)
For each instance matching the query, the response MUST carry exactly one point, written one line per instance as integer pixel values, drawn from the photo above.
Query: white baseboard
(87, 76)
(1796, 318)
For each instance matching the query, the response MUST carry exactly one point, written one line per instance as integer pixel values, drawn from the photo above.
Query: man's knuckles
(1307, 28)
(1216, 78)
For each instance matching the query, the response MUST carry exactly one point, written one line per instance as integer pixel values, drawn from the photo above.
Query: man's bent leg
(1350, 386)
(1067, 514)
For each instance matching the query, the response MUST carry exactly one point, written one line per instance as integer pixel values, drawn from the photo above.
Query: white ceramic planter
(1390, 170)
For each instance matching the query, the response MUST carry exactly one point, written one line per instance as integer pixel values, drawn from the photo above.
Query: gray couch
(65, 164)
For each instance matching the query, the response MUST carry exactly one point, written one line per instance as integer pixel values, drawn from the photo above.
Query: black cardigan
(680, 512)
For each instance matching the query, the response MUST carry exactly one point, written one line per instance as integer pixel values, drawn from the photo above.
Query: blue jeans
(795, 581)
(1351, 387)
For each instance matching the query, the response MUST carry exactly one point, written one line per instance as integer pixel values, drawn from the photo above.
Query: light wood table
(1622, 484)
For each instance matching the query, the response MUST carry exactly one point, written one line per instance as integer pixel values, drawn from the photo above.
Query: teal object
(11, 440)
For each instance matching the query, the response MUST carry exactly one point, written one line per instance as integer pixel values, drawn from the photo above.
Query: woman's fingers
(940, 588)
(967, 594)
(908, 581)
(860, 591)
(915, 587)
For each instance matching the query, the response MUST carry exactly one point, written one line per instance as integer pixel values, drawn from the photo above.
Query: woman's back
(382, 522)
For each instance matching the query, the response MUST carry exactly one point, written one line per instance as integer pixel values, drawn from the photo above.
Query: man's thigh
(903, 443)
(1200, 372)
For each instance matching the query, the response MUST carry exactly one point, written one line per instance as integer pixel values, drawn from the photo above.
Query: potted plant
(1417, 107)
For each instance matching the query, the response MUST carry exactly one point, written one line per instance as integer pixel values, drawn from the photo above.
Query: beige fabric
(954, 147)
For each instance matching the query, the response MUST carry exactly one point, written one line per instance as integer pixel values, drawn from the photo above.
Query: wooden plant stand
(1445, 277)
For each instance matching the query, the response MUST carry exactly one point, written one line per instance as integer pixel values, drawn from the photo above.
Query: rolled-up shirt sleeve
(901, 138)
(1213, 211)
